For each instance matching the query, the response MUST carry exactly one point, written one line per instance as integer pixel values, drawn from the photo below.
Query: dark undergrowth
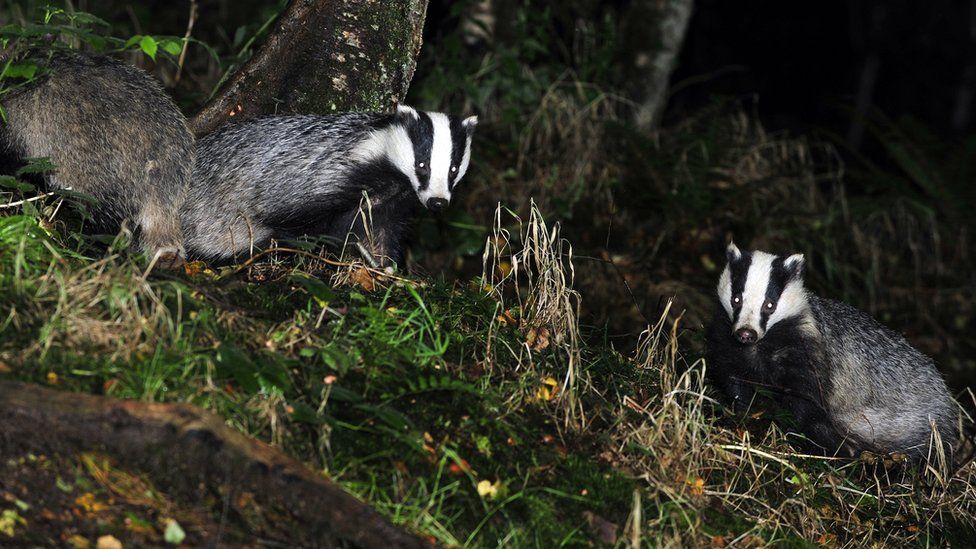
(512, 389)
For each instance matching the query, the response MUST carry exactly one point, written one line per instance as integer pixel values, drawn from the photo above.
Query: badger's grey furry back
(287, 176)
(236, 185)
(885, 393)
(112, 133)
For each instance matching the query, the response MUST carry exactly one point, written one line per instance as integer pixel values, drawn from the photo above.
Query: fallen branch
(193, 453)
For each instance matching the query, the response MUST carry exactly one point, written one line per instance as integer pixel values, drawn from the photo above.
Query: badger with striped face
(283, 177)
(850, 383)
(759, 289)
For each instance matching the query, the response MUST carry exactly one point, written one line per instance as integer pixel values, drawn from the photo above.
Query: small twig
(194, 10)
(32, 199)
(316, 257)
(772, 454)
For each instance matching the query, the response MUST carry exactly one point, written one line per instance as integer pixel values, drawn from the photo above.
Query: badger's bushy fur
(112, 133)
(850, 383)
(281, 177)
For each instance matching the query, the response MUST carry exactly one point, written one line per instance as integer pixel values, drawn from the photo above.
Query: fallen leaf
(196, 267)
(602, 530)
(78, 542)
(9, 520)
(491, 490)
(538, 338)
(547, 390)
(363, 278)
(174, 534)
(108, 542)
(88, 502)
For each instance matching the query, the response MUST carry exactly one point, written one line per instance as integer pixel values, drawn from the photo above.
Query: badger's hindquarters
(113, 134)
(885, 395)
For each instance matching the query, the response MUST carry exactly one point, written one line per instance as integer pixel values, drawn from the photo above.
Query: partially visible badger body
(280, 177)
(850, 383)
(111, 133)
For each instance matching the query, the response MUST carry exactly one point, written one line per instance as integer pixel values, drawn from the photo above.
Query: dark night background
(465, 402)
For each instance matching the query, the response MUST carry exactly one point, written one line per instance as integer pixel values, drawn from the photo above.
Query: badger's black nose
(436, 204)
(746, 336)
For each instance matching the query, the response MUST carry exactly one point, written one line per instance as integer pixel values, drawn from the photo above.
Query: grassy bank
(475, 412)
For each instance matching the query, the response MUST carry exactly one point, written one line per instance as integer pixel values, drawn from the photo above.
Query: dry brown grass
(534, 272)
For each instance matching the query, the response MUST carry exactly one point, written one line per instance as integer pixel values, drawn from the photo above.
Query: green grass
(429, 399)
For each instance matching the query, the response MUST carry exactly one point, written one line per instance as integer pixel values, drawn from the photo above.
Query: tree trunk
(655, 30)
(193, 454)
(325, 56)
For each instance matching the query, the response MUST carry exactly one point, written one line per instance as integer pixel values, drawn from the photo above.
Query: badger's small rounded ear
(794, 264)
(469, 124)
(403, 110)
(732, 253)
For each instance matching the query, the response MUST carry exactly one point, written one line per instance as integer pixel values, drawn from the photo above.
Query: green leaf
(172, 47)
(19, 70)
(149, 45)
(37, 165)
(303, 413)
(320, 291)
(174, 534)
(12, 183)
(233, 363)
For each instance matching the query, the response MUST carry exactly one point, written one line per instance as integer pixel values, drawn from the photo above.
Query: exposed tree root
(193, 454)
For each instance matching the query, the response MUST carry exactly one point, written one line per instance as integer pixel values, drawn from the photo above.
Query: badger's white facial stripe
(465, 160)
(440, 159)
(393, 143)
(792, 302)
(754, 292)
(725, 290)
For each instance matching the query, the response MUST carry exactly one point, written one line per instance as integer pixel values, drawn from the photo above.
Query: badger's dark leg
(726, 364)
(814, 422)
(387, 225)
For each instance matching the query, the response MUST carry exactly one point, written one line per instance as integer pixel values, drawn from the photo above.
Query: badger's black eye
(453, 169)
(422, 169)
(769, 306)
(737, 301)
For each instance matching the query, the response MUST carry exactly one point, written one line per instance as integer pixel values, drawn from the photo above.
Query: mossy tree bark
(325, 56)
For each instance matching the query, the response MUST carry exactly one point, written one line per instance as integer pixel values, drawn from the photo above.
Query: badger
(851, 384)
(111, 133)
(282, 177)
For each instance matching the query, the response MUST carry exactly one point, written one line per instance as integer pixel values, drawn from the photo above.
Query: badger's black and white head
(758, 290)
(432, 149)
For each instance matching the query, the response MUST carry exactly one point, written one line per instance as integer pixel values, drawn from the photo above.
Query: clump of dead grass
(533, 271)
